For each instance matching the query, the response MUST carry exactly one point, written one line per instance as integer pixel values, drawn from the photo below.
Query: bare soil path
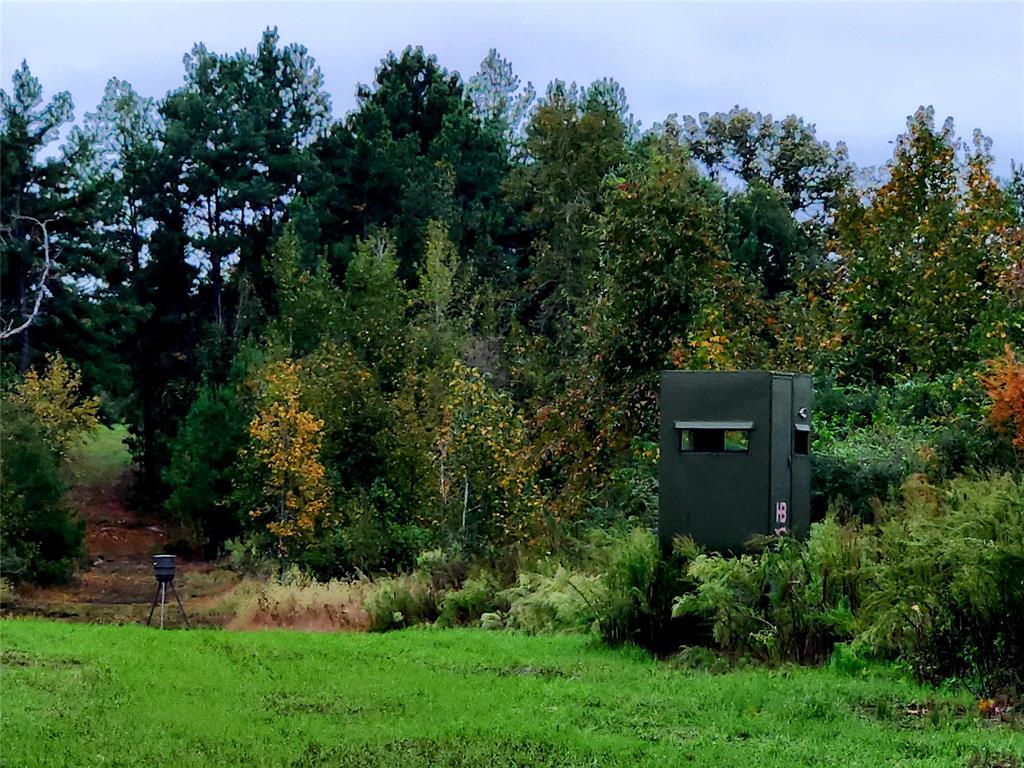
(116, 584)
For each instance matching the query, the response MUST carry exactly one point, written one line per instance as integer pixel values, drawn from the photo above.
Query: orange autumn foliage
(1004, 382)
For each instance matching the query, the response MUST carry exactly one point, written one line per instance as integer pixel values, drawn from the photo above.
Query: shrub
(7, 595)
(562, 602)
(41, 539)
(622, 591)
(789, 602)
(56, 405)
(845, 408)
(860, 469)
(366, 539)
(631, 495)
(465, 606)
(966, 445)
(447, 569)
(630, 580)
(374, 536)
(696, 657)
(202, 467)
(847, 660)
(947, 589)
(248, 556)
(639, 584)
(401, 601)
(867, 442)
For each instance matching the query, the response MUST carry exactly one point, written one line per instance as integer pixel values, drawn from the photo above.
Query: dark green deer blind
(734, 456)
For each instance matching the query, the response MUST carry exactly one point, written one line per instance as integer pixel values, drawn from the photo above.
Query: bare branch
(9, 331)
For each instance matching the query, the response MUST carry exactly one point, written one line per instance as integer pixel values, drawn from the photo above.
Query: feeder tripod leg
(152, 608)
(163, 601)
(174, 589)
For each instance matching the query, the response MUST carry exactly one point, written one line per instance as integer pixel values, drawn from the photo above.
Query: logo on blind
(781, 518)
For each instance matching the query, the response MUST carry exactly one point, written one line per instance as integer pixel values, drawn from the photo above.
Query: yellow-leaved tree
(485, 468)
(285, 443)
(55, 401)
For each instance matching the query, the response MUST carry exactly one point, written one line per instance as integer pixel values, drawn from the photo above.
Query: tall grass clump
(295, 601)
(621, 591)
(401, 601)
(640, 581)
(561, 601)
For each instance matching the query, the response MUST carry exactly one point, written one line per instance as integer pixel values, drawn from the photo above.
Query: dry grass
(294, 603)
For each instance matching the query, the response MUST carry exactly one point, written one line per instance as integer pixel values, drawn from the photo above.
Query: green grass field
(117, 696)
(102, 457)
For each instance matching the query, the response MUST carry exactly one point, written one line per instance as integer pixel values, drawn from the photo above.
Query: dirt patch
(112, 530)
(117, 585)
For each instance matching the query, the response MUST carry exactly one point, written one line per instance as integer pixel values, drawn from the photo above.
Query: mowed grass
(89, 695)
(101, 458)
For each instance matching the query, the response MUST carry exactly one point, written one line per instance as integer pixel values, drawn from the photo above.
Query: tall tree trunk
(149, 459)
(217, 281)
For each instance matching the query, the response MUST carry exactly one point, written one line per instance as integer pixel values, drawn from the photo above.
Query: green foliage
(846, 660)
(487, 490)
(866, 467)
(574, 138)
(660, 238)
(621, 591)
(783, 155)
(55, 400)
(633, 491)
(401, 601)
(204, 465)
(41, 539)
(44, 416)
(629, 605)
(375, 303)
(465, 606)
(447, 569)
(56, 190)
(471, 297)
(413, 151)
(925, 257)
(868, 440)
(7, 595)
(309, 304)
(561, 602)
(439, 328)
(375, 535)
(344, 393)
(948, 584)
(789, 602)
(248, 556)
(237, 168)
(937, 583)
(500, 99)
(766, 239)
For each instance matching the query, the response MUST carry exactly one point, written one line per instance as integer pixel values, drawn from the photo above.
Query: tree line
(439, 320)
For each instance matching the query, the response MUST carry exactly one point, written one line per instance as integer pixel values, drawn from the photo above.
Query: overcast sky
(856, 70)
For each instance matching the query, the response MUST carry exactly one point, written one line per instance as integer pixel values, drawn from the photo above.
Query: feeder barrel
(163, 567)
